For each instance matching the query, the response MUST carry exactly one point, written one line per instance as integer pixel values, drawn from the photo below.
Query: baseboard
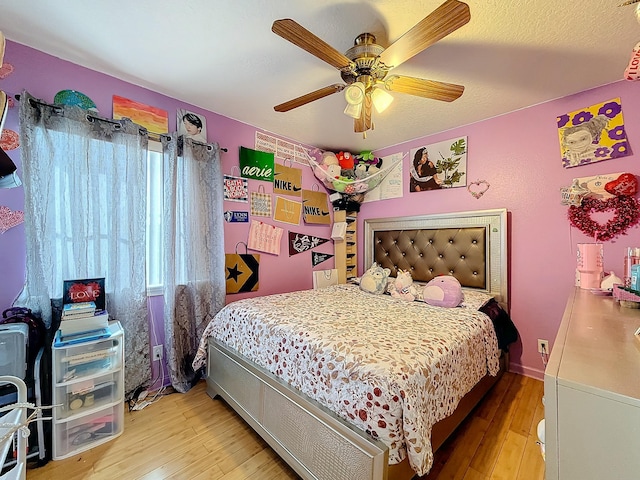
(526, 371)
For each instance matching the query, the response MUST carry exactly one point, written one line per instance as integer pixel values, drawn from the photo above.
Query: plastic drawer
(79, 397)
(75, 436)
(88, 359)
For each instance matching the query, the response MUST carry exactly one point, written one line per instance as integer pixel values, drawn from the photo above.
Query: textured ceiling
(223, 57)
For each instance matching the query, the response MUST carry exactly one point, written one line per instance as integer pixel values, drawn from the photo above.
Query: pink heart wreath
(478, 188)
(626, 214)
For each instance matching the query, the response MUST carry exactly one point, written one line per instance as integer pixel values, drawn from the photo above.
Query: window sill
(155, 291)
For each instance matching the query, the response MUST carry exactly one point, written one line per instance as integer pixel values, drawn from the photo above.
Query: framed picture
(85, 290)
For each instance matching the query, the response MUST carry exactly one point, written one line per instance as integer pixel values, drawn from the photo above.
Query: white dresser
(592, 392)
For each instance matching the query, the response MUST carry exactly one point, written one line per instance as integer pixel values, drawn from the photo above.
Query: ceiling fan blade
(447, 92)
(364, 123)
(445, 19)
(309, 97)
(303, 38)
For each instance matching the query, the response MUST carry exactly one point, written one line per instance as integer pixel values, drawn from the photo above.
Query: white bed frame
(314, 441)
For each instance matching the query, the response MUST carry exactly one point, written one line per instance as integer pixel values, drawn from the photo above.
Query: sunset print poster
(154, 119)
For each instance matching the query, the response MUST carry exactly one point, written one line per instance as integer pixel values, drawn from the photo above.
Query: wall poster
(593, 134)
(439, 165)
(391, 186)
(192, 125)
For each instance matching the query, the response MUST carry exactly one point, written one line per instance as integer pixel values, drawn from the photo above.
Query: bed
(348, 385)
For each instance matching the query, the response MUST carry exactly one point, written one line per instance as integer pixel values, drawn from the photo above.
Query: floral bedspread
(392, 368)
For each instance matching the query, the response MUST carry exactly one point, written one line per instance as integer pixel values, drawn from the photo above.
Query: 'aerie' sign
(258, 173)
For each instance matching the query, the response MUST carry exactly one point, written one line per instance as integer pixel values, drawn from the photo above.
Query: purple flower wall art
(593, 134)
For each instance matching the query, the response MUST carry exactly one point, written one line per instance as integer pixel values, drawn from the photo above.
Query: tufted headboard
(471, 246)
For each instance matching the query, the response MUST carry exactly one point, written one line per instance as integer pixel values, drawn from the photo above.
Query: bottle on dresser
(631, 258)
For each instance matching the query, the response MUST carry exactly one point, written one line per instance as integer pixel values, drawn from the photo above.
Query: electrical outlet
(543, 346)
(157, 352)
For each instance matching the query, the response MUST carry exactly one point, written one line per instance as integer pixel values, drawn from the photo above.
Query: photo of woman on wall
(424, 175)
(192, 126)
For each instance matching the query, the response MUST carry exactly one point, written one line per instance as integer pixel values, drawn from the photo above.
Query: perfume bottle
(631, 258)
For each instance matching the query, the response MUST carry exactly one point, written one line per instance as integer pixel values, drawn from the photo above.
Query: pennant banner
(301, 242)
(318, 258)
(256, 165)
(315, 207)
(287, 180)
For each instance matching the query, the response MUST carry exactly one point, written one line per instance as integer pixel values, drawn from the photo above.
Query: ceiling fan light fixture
(364, 67)
(381, 99)
(354, 94)
(354, 111)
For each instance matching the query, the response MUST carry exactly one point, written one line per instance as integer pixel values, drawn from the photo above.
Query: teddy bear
(329, 158)
(375, 279)
(402, 287)
(443, 291)
(329, 168)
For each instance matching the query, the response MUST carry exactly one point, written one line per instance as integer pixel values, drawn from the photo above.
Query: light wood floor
(190, 436)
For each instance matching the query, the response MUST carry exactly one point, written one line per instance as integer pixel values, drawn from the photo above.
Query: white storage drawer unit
(88, 384)
(78, 397)
(88, 359)
(75, 436)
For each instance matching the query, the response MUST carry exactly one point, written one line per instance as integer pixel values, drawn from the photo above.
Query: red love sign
(84, 292)
(626, 184)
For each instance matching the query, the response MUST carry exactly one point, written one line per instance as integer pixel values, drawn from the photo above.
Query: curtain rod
(152, 135)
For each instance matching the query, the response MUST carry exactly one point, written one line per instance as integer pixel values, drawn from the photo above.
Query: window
(154, 218)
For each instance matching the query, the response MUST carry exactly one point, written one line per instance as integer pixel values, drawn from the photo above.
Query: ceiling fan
(365, 67)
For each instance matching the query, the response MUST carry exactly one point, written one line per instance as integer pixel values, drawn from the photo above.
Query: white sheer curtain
(85, 203)
(194, 279)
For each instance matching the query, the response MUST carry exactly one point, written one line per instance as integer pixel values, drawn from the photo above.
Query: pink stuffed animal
(403, 287)
(443, 291)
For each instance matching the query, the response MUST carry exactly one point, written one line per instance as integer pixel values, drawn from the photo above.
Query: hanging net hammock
(350, 184)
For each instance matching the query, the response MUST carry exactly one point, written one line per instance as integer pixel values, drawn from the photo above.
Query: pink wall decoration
(6, 69)
(9, 219)
(9, 140)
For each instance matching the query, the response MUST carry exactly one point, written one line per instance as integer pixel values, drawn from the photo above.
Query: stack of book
(82, 318)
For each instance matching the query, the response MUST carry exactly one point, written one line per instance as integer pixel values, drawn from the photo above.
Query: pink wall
(43, 76)
(517, 153)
